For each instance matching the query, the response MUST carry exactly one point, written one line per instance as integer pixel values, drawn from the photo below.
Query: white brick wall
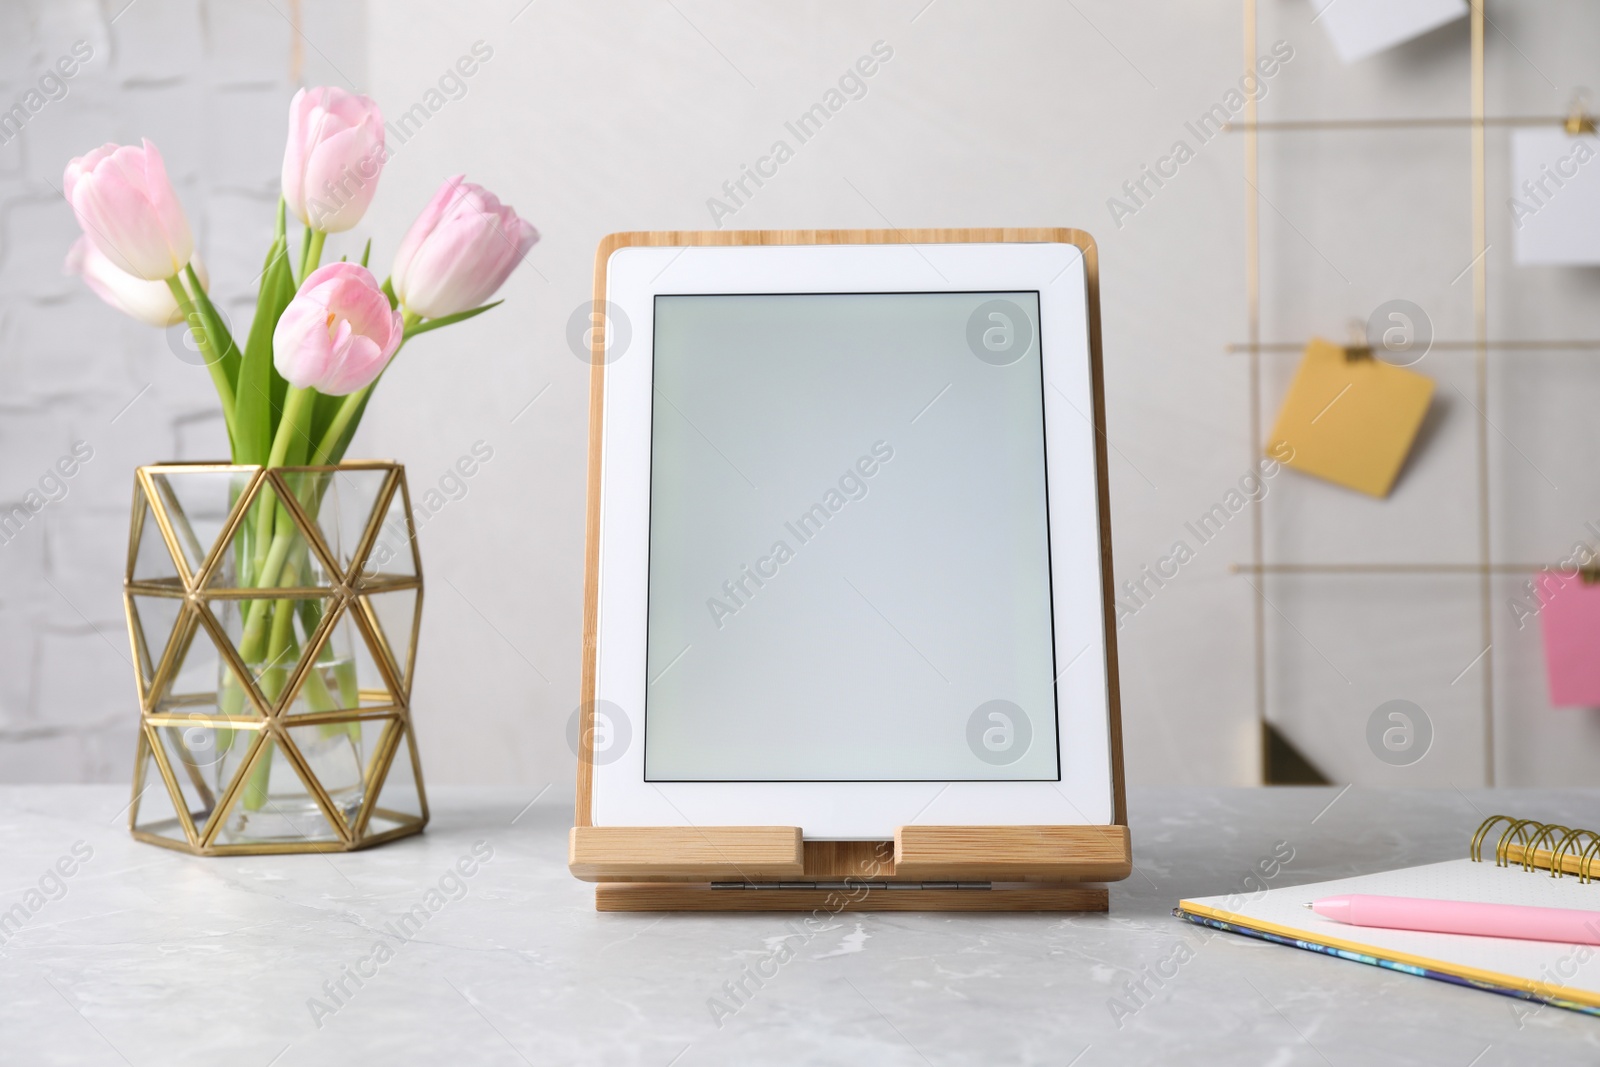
(209, 83)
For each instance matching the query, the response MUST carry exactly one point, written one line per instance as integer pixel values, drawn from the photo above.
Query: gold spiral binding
(1483, 830)
(1539, 845)
(1558, 859)
(1502, 848)
(1530, 852)
(1585, 874)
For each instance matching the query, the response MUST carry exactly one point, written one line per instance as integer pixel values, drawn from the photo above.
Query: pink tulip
(128, 208)
(338, 332)
(334, 156)
(149, 302)
(459, 251)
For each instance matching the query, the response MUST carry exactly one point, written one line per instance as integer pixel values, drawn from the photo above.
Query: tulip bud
(460, 250)
(338, 332)
(149, 302)
(126, 205)
(334, 157)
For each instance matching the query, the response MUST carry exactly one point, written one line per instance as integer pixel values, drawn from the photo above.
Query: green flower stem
(341, 419)
(344, 675)
(257, 612)
(256, 786)
(232, 700)
(213, 358)
(313, 254)
(273, 523)
(323, 452)
(283, 653)
(296, 410)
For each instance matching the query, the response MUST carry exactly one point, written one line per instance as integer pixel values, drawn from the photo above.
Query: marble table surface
(146, 957)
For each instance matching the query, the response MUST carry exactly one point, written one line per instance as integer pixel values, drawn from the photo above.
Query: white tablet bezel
(1088, 792)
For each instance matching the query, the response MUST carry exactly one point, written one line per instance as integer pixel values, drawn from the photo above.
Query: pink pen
(1567, 925)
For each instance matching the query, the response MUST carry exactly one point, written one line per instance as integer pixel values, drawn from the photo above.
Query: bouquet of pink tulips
(322, 335)
(294, 391)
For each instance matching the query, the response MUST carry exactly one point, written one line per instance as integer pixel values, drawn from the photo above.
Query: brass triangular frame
(205, 578)
(382, 762)
(369, 536)
(314, 646)
(380, 512)
(366, 617)
(179, 803)
(140, 762)
(135, 530)
(145, 501)
(411, 523)
(195, 579)
(139, 641)
(194, 773)
(375, 769)
(230, 795)
(303, 521)
(313, 784)
(229, 655)
(399, 733)
(269, 722)
(307, 523)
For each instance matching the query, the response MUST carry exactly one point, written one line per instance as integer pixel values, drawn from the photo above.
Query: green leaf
(322, 415)
(254, 407)
(365, 252)
(388, 291)
(216, 333)
(446, 320)
(350, 431)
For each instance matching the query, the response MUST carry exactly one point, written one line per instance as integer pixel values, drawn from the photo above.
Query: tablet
(849, 559)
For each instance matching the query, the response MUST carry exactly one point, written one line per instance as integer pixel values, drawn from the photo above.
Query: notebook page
(1573, 966)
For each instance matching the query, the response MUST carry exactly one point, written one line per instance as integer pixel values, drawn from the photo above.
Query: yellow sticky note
(1349, 420)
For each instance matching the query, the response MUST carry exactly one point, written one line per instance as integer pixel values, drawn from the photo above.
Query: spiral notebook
(1529, 863)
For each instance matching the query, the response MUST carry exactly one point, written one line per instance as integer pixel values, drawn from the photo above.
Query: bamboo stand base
(925, 868)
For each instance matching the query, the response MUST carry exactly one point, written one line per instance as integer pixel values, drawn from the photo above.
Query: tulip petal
(149, 302)
(125, 203)
(421, 228)
(334, 157)
(459, 251)
(338, 333)
(158, 187)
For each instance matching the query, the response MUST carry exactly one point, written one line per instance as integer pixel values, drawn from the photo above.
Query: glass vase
(274, 617)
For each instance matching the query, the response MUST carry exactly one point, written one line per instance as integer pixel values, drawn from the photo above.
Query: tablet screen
(849, 565)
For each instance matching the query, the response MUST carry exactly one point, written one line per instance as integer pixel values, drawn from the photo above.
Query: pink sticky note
(1569, 616)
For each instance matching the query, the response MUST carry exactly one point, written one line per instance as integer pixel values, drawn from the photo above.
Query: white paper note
(1555, 198)
(1360, 28)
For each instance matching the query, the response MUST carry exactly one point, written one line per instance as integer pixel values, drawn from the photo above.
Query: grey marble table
(146, 957)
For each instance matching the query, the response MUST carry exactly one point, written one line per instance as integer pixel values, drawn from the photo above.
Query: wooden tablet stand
(770, 868)
(925, 868)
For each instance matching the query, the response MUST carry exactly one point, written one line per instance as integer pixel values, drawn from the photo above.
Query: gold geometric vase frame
(186, 519)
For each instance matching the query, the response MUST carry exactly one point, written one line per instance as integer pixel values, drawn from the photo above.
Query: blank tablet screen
(849, 565)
